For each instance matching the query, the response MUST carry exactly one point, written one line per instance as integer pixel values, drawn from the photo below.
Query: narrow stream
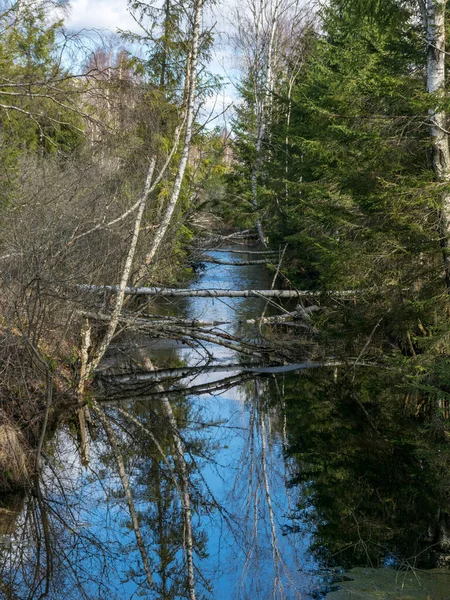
(246, 476)
(278, 479)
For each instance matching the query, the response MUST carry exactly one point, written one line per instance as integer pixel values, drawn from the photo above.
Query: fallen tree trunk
(215, 293)
(181, 372)
(216, 338)
(235, 234)
(245, 251)
(158, 321)
(233, 263)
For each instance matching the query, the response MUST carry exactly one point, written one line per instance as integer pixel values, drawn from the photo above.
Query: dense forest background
(342, 151)
(338, 151)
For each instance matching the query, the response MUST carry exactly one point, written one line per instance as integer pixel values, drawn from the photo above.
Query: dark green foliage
(355, 205)
(165, 37)
(347, 179)
(37, 111)
(165, 42)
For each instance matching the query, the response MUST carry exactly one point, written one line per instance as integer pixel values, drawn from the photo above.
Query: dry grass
(15, 456)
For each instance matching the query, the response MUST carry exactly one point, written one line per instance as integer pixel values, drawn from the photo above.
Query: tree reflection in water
(373, 471)
(231, 491)
(189, 469)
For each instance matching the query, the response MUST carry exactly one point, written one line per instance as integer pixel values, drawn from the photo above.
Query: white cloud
(99, 14)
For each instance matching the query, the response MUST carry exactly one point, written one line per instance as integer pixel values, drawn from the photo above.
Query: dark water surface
(292, 484)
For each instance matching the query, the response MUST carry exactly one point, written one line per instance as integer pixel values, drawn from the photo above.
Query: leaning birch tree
(189, 116)
(91, 357)
(92, 361)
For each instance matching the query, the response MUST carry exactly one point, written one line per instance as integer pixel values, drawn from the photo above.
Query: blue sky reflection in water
(242, 562)
(240, 507)
(238, 475)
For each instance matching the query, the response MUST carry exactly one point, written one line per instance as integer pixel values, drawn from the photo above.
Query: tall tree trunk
(162, 79)
(191, 84)
(433, 15)
(264, 110)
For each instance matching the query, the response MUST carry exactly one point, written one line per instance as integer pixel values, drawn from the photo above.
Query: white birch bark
(216, 293)
(233, 263)
(146, 323)
(121, 289)
(263, 103)
(83, 411)
(259, 252)
(433, 17)
(191, 75)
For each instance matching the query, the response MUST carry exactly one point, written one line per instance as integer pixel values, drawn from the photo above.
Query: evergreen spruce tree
(358, 202)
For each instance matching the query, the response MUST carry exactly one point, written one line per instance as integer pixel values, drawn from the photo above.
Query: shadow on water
(293, 480)
(375, 483)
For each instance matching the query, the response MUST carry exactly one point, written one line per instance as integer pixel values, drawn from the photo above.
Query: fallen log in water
(214, 293)
(236, 234)
(181, 372)
(233, 263)
(149, 321)
(263, 252)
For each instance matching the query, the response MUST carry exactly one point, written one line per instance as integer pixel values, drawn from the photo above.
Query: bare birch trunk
(234, 263)
(147, 322)
(88, 366)
(259, 252)
(83, 411)
(255, 175)
(287, 140)
(121, 290)
(217, 293)
(262, 118)
(191, 75)
(433, 15)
